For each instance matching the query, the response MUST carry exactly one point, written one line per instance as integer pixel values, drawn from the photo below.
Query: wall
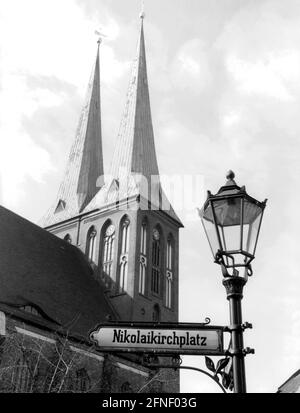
(131, 306)
(34, 360)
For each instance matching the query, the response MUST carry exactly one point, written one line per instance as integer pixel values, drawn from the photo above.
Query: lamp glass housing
(232, 221)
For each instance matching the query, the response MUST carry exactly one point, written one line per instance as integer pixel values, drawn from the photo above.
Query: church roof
(85, 165)
(40, 270)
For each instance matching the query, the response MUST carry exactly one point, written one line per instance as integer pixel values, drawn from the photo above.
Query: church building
(107, 250)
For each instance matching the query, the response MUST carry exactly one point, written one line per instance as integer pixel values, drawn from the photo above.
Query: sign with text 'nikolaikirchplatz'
(202, 340)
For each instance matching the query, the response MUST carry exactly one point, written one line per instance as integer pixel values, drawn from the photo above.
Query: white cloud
(260, 46)
(111, 68)
(190, 68)
(262, 78)
(43, 40)
(291, 340)
(231, 119)
(20, 159)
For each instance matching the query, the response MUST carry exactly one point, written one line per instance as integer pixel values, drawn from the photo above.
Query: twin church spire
(135, 153)
(85, 164)
(90, 133)
(135, 150)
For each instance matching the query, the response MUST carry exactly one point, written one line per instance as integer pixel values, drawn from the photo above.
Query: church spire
(91, 168)
(85, 165)
(135, 150)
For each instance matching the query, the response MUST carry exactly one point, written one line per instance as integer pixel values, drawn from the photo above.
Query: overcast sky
(225, 91)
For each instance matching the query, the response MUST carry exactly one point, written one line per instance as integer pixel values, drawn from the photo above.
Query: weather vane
(142, 14)
(100, 35)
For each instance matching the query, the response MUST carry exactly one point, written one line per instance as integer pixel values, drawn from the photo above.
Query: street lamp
(232, 221)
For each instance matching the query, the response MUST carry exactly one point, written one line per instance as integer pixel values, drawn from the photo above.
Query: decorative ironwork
(221, 365)
(248, 350)
(177, 361)
(219, 370)
(215, 378)
(210, 364)
(224, 379)
(234, 286)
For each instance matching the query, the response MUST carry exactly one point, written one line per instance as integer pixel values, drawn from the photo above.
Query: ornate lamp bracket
(234, 286)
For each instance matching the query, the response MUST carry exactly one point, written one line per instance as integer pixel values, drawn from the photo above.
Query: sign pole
(234, 289)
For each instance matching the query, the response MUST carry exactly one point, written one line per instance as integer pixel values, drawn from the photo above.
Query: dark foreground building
(108, 251)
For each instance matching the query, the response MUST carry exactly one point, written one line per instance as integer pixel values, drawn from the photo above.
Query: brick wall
(34, 360)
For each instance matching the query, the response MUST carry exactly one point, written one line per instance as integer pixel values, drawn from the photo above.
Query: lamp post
(232, 221)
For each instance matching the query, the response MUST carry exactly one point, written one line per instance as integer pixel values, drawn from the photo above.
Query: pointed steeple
(85, 165)
(135, 150)
(91, 168)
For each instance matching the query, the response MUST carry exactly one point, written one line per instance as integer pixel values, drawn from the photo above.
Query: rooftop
(40, 270)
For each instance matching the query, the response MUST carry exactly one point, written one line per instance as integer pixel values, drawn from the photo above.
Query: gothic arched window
(91, 243)
(108, 243)
(68, 238)
(143, 259)
(169, 272)
(156, 261)
(125, 240)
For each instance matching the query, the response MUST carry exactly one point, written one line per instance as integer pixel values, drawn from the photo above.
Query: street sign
(162, 338)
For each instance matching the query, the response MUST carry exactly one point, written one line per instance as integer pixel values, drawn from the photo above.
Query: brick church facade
(107, 250)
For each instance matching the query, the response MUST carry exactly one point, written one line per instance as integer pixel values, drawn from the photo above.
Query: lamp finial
(230, 175)
(230, 178)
